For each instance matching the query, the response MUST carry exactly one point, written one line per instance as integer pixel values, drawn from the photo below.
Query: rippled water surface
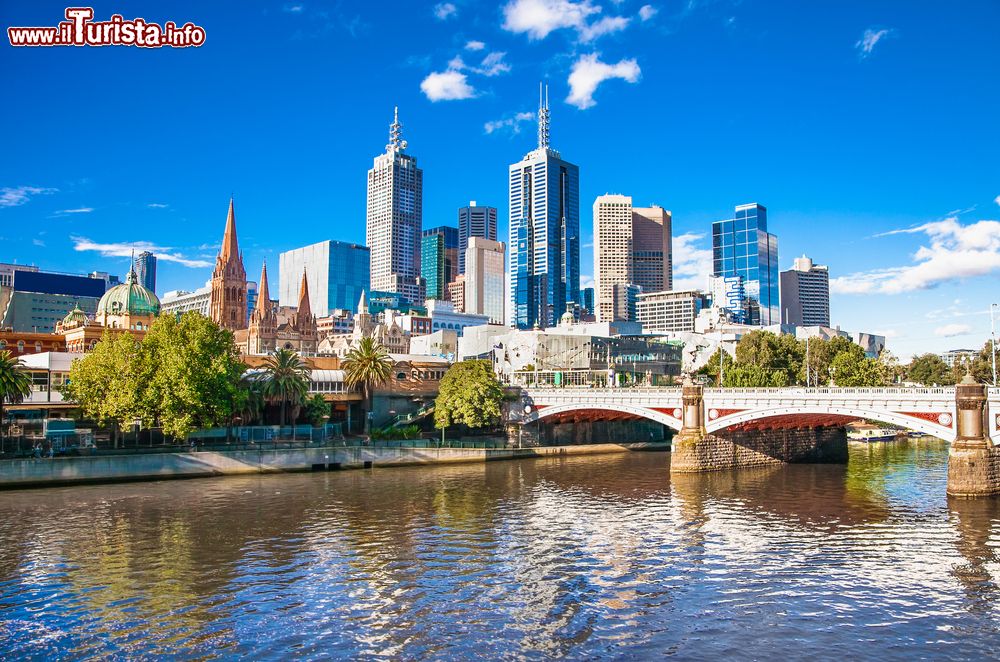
(584, 557)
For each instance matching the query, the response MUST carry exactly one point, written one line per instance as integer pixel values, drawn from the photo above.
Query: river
(582, 557)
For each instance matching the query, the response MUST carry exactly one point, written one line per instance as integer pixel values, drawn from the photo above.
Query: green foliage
(368, 366)
(250, 398)
(286, 380)
(395, 434)
(770, 352)
(192, 371)
(110, 383)
(15, 383)
(929, 370)
(317, 409)
(183, 376)
(469, 395)
(850, 370)
(981, 366)
(752, 376)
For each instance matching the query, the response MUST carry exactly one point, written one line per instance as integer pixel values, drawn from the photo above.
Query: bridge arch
(854, 413)
(643, 412)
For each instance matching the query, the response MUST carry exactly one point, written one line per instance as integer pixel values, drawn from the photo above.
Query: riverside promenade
(31, 472)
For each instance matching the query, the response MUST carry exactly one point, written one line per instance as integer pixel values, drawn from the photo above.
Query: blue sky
(868, 129)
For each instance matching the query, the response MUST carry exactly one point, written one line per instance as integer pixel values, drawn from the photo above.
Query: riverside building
(742, 246)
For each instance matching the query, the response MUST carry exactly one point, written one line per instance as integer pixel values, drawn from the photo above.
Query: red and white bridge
(929, 410)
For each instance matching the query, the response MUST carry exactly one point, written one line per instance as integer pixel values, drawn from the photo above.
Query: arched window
(20, 345)
(38, 346)
(3, 344)
(401, 376)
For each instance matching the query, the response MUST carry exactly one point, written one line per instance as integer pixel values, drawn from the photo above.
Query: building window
(20, 346)
(401, 376)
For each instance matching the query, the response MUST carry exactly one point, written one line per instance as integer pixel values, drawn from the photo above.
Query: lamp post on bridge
(993, 342)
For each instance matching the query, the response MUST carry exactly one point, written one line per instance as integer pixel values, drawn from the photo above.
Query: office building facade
(670, 311)
(632, 251)
(742, 246)
(544, 262)
(438, 260)
(394, 218)
(337, 271)
(484, 279)
(145, 270)
(474, 221)
(36, 300)
(805, 294)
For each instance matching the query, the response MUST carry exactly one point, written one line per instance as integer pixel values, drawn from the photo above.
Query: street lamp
(993, 341)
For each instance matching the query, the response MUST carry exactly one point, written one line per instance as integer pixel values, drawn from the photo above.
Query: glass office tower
(439, 260)
(742, 246)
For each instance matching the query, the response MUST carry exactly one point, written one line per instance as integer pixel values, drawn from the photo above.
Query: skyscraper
(394, 218)
(632, 247)
(474, 221)
(544, 265)
(484, 279)
(805, 294)
(338, 273)
(228, 303)
(742, 246)
(145, 270)
(438, 260)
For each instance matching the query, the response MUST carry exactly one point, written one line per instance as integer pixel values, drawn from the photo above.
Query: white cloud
(606, 25)
(868, 40)
(512, 124)
(952, 330)
(589, 72)
(38, 242)
(692, 264)
(997, 199)
(447, 85)
(493, 64)
(647, 12)
(955, 251)
(166, 254)
(17, 196)
(538, 18)
(586, 281)
(474, 45)
(157, 205)
(78, 210)
(445, 10)
(294, 9)
(889, 334)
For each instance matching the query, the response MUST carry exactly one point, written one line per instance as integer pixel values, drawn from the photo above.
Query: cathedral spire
(230, 246)
(543, 117)
(263, 295)
(304, 310)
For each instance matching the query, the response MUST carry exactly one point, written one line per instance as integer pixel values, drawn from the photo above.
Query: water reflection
(601, 556)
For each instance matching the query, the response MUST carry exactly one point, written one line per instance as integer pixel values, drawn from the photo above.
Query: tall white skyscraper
(544, 266)
(474, 221)
(484, 278)
(395, 218)
(805, 294)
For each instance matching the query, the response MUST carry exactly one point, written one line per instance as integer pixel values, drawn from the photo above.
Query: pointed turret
(230, 247)
(363, 303)
(263, 295)
(304, 310)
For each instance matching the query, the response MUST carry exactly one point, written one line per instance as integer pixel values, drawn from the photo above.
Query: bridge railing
(948, 392)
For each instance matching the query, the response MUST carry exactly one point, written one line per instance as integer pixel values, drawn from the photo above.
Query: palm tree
(15, 384)
(251, 404)
(287, 379)
(367, 365)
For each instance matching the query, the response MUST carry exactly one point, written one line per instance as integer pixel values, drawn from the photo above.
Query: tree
(768, 352)
(250, 398)
(856, 369)
(470, 395)
(317, 409)
(110, 383)
(752, 376)
(929, 370)
(286, 379)
(15, 385)
(194, 374)
(368, 366)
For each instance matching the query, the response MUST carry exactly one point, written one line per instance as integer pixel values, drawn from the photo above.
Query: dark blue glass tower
(742, 246)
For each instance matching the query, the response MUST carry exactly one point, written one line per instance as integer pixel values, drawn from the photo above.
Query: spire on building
(304, 310)
(363, 303)
(396, 142)
(263, 295)
(543, 117)
(230, 247)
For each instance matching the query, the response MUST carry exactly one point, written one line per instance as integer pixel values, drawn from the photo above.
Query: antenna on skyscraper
(395, 132)
(543, 117)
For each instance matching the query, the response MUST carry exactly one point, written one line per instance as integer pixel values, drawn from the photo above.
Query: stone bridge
(716, 426)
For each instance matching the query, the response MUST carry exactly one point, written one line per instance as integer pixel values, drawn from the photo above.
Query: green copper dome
(129, 298)
(75, 316)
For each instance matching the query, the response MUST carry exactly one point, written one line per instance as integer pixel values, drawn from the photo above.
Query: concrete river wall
(158, 466)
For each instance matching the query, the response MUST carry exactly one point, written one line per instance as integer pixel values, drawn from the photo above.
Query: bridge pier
(973, 461)
(695, 451)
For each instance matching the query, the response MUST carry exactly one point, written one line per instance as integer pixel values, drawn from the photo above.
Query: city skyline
(869, 204)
